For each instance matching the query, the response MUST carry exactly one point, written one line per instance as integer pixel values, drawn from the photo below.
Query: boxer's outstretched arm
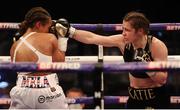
(92, 38)
(65, 30)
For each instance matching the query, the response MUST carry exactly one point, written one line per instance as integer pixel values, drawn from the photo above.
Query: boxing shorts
(37, 92)
(148, 98)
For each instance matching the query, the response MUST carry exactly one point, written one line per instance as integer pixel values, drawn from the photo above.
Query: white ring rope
(94, 58)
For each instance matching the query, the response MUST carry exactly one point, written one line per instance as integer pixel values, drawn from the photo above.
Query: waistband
(30, 81)
(146, 93)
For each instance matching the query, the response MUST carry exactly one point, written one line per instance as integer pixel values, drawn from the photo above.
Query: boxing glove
(52, 29)
(63, 31)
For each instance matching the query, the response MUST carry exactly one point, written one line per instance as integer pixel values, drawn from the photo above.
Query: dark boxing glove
(64, 29)
(52, 29)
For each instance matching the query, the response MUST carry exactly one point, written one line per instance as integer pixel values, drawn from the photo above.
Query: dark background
(91, 11)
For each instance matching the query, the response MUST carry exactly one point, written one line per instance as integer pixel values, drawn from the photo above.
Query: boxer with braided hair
(37, 90)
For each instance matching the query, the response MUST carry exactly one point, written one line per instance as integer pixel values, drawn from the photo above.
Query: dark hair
(34, 15)
(137, 20)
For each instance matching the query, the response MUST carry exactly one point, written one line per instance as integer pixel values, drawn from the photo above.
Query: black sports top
(131, 55)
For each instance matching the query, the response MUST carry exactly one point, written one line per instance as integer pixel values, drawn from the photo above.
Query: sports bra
(41, 57)
(129, 53)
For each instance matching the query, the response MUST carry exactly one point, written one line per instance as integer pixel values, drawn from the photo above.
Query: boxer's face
(129, 32)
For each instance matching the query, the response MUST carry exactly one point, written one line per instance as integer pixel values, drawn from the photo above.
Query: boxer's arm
(92, 38)
(57, 54)
(63, 31)
(60, 28)
(159, 53)
(66, 30)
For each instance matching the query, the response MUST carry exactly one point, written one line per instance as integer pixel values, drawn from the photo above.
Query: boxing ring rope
(89, 100)
(89, 63)
(104, 27)
(94, 58)
(107, 67)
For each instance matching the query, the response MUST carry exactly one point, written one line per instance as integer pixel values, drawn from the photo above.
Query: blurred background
(161, 11)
